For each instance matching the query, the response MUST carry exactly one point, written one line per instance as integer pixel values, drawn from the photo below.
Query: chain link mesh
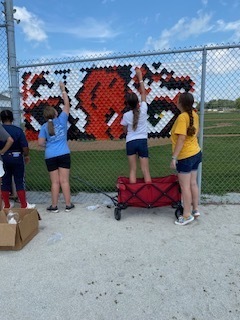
(4, 82)
(221, 167)
(97, 89)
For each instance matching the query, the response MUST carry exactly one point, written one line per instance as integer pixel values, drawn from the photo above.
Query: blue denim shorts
(138, 147)
(189, 164)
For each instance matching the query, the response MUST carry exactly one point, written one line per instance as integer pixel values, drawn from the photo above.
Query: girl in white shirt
(135, 126)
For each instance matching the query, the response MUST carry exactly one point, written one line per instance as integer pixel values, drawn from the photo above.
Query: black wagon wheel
(117, 213)
(179, 211)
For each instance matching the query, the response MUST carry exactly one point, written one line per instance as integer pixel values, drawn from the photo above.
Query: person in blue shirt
(53, 137)
(14, 162)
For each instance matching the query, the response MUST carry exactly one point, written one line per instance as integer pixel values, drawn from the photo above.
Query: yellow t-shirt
(191, 146)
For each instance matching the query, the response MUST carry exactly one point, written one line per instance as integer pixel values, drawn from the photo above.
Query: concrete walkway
(142, 267)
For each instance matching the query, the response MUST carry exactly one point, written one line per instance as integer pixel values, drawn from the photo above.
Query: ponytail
(49, 114)
(186, 100)
(132, 102)
(135, 118)
(51, 130)
(191, 130)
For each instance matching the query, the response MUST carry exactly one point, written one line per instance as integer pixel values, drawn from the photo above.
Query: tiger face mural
(97, 97)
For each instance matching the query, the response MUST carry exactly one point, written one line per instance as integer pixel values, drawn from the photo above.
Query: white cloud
(222, 61)
(85, 53)
(183, 29)
(204, 2)
(234, 26)
(32, 26)
(91, 28)
(73, 54)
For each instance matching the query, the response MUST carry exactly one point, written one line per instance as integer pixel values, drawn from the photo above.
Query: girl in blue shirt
(53, 137)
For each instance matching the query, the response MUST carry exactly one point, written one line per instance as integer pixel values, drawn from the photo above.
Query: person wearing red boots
(8, 141)
(14, 162)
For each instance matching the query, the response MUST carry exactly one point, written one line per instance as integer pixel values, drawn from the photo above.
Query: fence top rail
(131, 55)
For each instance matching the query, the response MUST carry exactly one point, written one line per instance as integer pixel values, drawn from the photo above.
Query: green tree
(237, 103)
(220, 104)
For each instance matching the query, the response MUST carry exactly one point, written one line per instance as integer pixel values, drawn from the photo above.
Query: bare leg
(132, 161)
(194, 190)
(144, 163)
(55, 186)
(65, 186)
(184, 181)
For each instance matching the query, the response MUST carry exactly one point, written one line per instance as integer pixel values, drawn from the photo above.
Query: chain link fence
(221, 127)
(4, 79)
(97, 89)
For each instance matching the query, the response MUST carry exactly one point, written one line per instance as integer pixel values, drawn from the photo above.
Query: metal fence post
(14, 84)
(202, 102)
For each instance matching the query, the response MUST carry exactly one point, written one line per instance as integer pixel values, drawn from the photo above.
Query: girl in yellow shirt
(186, 156)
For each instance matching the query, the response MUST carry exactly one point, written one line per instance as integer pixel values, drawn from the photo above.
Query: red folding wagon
(163, 191)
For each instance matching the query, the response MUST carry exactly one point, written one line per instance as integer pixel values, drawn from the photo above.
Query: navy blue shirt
(18, 136)
(3, 138)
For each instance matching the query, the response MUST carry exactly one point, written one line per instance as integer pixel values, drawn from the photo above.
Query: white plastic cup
(12, 217)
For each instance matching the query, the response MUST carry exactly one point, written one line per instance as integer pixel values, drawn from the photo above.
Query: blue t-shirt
(56, 145)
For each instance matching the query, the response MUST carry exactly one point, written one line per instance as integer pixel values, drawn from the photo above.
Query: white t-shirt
(141, 131)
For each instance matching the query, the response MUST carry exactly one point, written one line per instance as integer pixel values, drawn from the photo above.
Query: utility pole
(12, 63)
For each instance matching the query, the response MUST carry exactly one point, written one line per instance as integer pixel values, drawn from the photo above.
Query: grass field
(222, 123)
(220, 169)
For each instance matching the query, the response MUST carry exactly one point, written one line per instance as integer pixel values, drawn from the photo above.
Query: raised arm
(141, 84)
(66, 107)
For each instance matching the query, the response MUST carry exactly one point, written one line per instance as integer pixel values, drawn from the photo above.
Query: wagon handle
(114, 200)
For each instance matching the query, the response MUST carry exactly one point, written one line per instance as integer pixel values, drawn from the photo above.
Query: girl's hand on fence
(138, 73)
(62, 86)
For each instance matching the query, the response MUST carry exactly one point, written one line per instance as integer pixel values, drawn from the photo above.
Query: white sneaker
(30, 206)
(182, 221)
(195, 213)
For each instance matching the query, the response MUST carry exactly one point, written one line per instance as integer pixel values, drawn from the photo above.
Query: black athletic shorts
(54, 163)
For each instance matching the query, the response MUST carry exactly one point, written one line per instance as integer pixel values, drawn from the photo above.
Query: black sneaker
(69, 208)
(52, 209)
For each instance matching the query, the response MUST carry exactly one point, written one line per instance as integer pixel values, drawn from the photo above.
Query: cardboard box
(16, 236)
